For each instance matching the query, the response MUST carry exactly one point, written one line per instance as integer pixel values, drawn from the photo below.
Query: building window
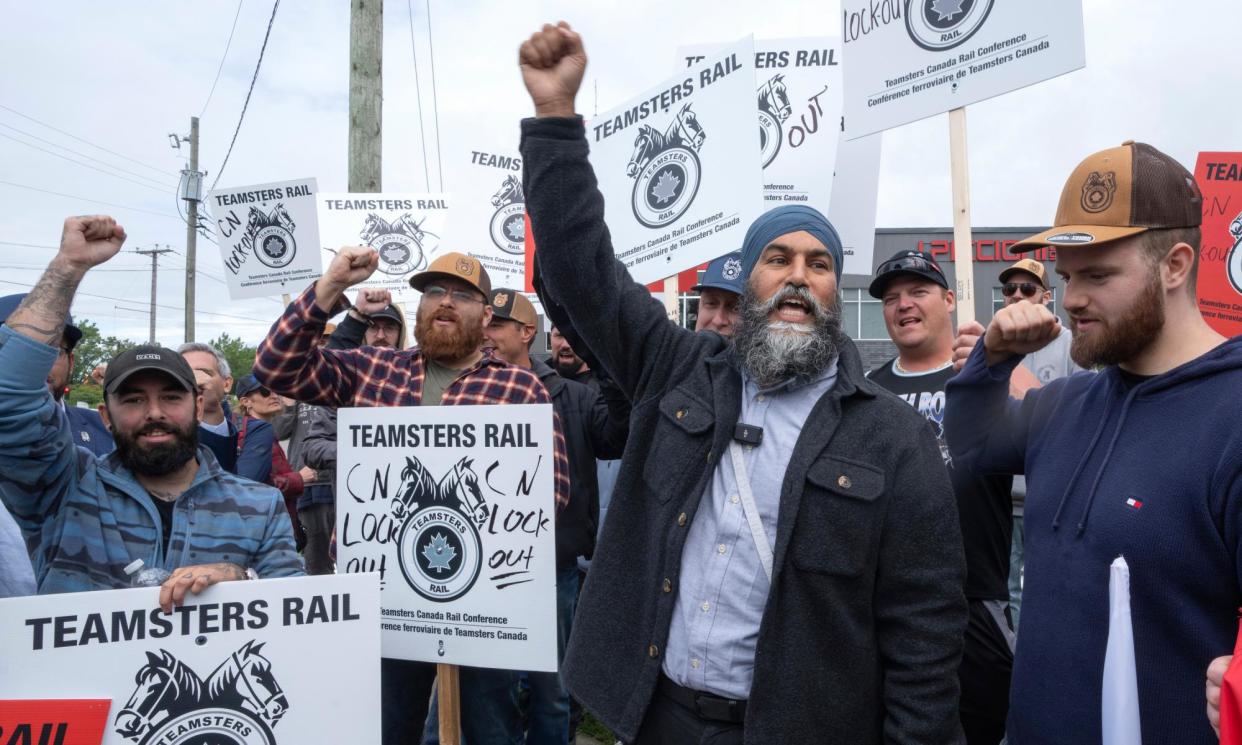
(689, 310)
(862, 316)
(998, 301)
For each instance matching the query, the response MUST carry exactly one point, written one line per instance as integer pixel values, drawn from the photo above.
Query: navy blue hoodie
(1151, 472)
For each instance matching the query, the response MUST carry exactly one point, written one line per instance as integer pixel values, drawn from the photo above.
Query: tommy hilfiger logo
(1134, 504)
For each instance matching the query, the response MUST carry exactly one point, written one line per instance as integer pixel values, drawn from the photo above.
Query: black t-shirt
(166, 516)
(984, 503)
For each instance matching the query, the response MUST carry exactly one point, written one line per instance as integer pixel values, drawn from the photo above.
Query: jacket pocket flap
(847, 478)
(686, 412)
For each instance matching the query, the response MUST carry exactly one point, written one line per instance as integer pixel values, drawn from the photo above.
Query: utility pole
(190, 191)
(154, 253)
(366, 50)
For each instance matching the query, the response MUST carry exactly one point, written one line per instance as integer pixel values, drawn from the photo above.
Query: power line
(79, 154)
(223, 57)
(435, 103)
(93, 201)
(88, 142)
(130, 300)
(84, 165)
(418, 94)
(246, 103)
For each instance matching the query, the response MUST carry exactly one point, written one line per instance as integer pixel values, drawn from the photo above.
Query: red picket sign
(59, 721)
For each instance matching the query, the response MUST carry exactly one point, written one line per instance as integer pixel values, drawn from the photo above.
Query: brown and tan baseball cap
(514, 306)
(457, 266)
(1030, 266)
(1120, 192)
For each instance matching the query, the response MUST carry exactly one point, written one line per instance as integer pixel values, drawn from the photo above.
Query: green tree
(94, 349)
(239, 355)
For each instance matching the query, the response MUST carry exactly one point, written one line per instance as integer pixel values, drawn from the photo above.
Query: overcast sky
(123, 75)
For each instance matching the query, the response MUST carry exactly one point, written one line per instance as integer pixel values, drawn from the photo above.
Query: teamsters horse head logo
(1234, 262)
(508, 225)
(439, 549)
(1098, 190)
(938, 25)
(238, 704)
(271, 234)
(399, 243)
(774, 108)
(666, 170)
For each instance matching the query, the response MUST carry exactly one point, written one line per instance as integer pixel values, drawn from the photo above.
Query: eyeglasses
(436, 293)
(264, 392)
(906, 263)
(1029, 289)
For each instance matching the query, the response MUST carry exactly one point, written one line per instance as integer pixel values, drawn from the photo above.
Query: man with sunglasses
(449, 367)
(783, 560)
(918, 312)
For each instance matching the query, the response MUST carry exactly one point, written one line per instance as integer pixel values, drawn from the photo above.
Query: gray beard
(774, 351)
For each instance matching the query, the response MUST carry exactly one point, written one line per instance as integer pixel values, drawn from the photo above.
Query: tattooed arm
(86, 242)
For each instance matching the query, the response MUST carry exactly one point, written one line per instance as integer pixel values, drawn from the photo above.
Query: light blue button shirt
(723, 589)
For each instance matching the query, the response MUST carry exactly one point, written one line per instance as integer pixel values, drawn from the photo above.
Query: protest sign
(905, 61)
(269, 237)
(488, 220)
(806, 159)
(679, 166)
(243, 663)
(405, 230)
(1219, 286)
(454, 506)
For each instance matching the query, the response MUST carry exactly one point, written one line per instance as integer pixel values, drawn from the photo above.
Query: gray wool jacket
(861, 635)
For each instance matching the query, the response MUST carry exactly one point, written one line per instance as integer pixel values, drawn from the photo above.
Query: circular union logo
(275, 246)
(666, 187)
(399, 254)
(937, 25)
(770, 136)
(1235, 265)
(440, 553)
(212, 725)
(509, 228)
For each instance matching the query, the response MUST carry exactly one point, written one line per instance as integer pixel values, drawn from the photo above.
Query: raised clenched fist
(1021, 328)
(371, 301)
(90, 240)
(351, 265)
(553, 61)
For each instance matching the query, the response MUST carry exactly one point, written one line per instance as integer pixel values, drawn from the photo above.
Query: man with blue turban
(783, 561)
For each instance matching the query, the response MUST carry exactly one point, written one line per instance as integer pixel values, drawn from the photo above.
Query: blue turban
(790, 218)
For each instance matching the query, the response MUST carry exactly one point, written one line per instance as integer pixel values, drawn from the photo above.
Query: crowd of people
(757, 540)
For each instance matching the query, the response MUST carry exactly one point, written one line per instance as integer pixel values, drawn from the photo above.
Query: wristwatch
(251, 573)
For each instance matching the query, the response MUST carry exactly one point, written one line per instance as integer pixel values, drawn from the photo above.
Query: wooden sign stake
(963, 246)
(448, 693)
(670, 299)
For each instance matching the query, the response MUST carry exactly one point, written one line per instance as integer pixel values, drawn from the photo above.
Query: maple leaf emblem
(438, 553)
(395, 254)
(516, 229)
(666, 187)
(946, 9)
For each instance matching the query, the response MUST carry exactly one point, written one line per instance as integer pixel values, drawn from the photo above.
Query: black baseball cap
(390, 312)
(907, 261)
(247, 385)
(149, 357)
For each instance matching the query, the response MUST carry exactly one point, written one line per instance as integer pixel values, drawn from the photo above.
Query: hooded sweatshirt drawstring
(1056, 519)
(1099, 475)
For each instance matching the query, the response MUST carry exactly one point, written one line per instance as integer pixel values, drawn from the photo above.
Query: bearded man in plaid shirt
(448, 368)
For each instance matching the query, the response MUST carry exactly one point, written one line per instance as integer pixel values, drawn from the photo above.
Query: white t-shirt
(1053, 361)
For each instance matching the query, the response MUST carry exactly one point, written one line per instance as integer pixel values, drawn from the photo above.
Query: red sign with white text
(54, 721)
(1220, 256)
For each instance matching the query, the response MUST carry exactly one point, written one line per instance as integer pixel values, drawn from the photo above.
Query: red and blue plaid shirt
(290, 363)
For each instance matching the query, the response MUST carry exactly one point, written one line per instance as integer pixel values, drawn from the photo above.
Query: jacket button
(653, 651)
(681, 520)
(681, 413)
(843, 481)
(668, 585)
